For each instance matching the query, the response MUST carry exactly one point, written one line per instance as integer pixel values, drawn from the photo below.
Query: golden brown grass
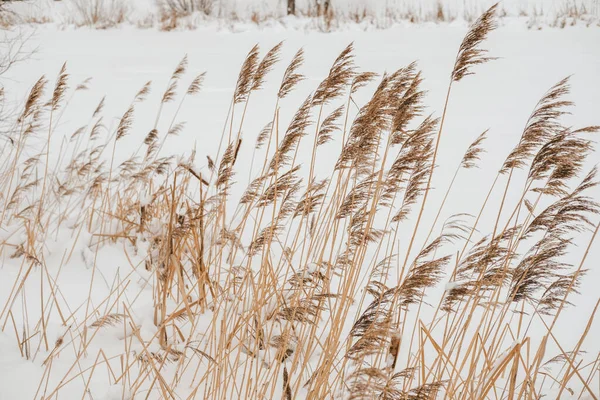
(298, 288)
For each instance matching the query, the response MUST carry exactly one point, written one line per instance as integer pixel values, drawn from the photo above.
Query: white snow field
(58, 287)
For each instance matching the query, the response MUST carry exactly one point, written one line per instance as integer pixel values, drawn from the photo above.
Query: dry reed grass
(269, 301)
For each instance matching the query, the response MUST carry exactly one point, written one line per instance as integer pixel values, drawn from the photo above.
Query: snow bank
(338, 13)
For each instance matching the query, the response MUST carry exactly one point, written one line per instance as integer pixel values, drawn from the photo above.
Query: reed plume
(246, 76)
(291, 77)
(470, 53)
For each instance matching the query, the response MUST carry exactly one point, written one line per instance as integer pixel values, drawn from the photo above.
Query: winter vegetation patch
(318, 267)
(313, 14)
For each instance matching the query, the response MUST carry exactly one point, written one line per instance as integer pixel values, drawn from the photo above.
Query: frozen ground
(500, 97)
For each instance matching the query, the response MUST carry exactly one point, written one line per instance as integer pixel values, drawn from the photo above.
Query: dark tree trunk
(291, 7)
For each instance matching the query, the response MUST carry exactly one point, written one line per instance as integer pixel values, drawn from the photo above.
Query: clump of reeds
(297, 288)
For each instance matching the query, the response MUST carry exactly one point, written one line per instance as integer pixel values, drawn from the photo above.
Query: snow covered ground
(120, 61)
(380, 13)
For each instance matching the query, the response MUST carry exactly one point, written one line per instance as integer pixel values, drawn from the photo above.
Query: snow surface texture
(500, 97)
(368, 13)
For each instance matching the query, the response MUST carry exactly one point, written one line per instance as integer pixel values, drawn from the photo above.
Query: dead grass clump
(187, 7)
(173, 14)
(297, 287)
(99, 13)
(7, 18)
